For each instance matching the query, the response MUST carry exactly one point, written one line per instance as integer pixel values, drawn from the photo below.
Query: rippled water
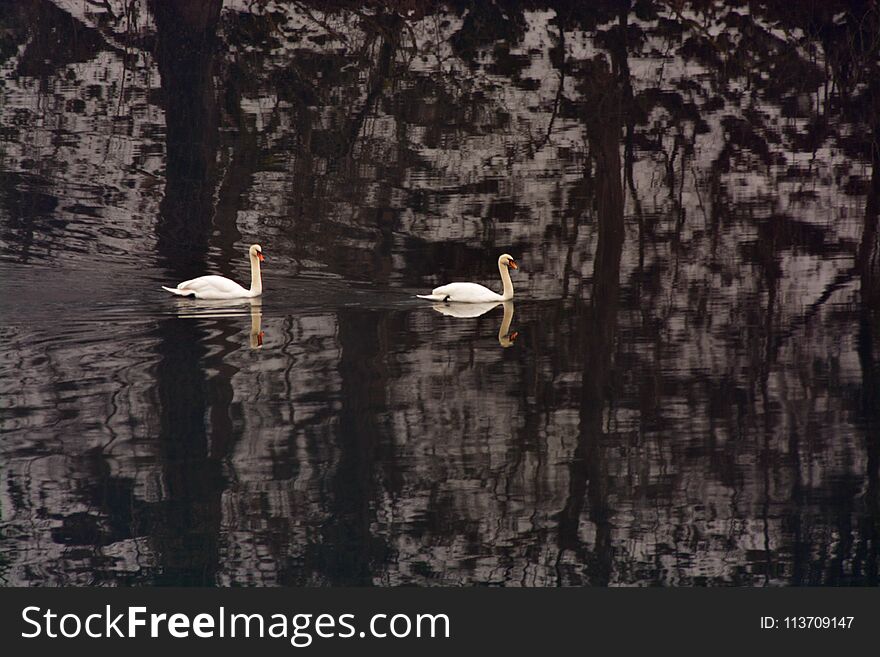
(683, 392)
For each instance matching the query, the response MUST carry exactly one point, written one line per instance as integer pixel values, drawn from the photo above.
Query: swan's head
(256, 251)
(508, 261)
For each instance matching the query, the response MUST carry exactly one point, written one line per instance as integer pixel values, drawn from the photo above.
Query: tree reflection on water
(693, 394)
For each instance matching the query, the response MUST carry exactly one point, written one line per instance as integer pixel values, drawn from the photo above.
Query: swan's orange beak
(260, 338)
(260, 256)
(512, 264)
(512, 336)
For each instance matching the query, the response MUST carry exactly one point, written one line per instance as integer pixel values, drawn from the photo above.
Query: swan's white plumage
(473, 292)
(463, 293)
(220, 287)
(210, 287)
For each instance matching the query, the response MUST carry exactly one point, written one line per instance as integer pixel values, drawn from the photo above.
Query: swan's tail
(433, 297)
(180, 293)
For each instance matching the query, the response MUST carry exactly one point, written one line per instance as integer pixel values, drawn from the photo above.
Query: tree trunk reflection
(185, 48)
(589, 479)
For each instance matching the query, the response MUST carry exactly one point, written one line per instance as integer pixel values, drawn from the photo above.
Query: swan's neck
(256, 277)
(505, 279)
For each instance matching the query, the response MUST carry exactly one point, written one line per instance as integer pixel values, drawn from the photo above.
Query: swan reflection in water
(505, 337)
(225, 309)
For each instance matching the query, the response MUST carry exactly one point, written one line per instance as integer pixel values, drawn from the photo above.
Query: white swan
(473, 293)
(505, 337)
(220, 287)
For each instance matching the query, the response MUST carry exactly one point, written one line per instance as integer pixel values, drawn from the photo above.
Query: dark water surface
(685, 391)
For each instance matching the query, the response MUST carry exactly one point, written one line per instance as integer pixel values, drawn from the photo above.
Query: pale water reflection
(221, 309)
(688, 392)
(467, 310)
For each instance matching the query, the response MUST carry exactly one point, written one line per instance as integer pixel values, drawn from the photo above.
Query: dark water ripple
(684, 392)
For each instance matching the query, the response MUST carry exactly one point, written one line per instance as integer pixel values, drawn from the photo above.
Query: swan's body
(220, 287)
(474, 293)
(505, 337)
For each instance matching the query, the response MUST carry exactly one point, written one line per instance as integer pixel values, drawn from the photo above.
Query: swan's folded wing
(181, 292)
(466, 293)
(216, 283)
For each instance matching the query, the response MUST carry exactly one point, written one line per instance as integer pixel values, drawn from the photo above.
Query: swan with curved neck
(220, 287)
(474, 293)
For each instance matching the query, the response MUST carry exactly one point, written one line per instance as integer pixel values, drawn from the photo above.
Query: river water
(684, 391)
